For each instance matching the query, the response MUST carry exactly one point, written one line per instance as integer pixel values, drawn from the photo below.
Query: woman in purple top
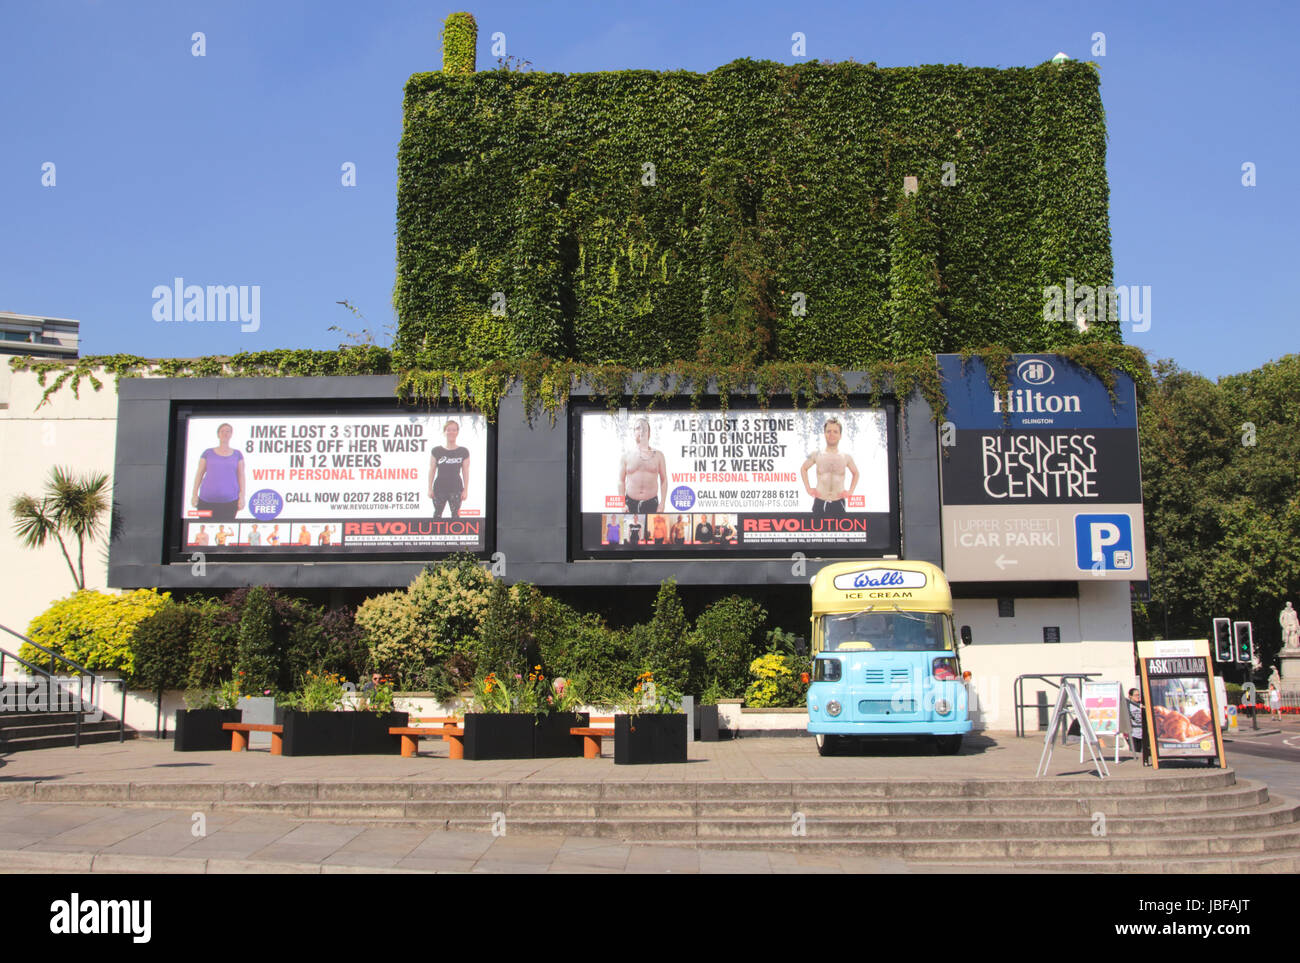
(219, 482)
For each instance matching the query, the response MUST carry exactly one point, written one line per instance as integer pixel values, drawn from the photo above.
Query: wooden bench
(591, 736)
(450, 728)
(239, 735)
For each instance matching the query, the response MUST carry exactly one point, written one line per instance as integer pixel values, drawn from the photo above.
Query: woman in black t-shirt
(449, 473)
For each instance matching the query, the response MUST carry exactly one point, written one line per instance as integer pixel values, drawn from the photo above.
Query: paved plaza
(104, 829)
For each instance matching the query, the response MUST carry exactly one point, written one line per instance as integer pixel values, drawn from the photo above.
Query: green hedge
(769, 180)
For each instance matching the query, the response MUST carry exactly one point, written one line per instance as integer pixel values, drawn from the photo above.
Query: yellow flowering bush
(92, 628)
(440, 614)
(777, 683)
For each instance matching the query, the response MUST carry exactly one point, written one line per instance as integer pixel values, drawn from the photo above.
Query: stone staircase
(21, 731)
(1193, 822)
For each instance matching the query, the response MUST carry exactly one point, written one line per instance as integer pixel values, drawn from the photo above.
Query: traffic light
(1223, 649)
(1245, 642)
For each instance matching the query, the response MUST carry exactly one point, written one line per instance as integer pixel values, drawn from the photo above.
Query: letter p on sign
(1107, 539)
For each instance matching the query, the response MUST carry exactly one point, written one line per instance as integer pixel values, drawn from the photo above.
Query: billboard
(1040, 481)
(330, 485)
(746, 482)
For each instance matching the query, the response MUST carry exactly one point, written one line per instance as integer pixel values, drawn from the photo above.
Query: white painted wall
(78, 433)
(1096, 636)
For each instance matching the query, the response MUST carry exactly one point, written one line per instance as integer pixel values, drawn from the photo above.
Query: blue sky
(226, 168)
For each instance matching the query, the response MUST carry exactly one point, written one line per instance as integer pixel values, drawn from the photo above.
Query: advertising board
(1040, 481)
(328, 485)
(746, 482)
(1181, 707)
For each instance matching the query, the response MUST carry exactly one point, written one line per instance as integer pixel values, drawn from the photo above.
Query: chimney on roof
(459, 44)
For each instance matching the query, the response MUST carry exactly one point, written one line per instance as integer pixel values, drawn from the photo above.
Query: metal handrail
(82, 673)
(1018, 691)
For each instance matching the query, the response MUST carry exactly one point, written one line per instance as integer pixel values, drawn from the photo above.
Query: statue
(1290, 622)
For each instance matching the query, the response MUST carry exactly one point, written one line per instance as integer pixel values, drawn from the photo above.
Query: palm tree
(71, 505)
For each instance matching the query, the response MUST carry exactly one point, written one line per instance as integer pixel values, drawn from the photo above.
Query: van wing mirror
(965, 635)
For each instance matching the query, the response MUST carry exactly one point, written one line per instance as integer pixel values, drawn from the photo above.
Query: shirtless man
(678, 534)
(643, 474)
(830, 496)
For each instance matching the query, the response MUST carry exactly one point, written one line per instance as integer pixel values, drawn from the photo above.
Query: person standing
(449, 473)
(219, 479)
(1274, 701)
(1135, 721)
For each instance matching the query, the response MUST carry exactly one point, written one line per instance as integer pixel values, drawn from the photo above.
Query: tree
(1222, 500)
(72, 505)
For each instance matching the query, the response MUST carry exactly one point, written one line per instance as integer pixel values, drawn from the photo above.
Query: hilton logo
(1034, 372)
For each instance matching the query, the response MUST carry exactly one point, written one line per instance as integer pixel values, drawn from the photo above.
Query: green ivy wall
(768, 180)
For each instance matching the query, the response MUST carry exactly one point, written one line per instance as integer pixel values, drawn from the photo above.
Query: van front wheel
(827, 745)
(948, 745)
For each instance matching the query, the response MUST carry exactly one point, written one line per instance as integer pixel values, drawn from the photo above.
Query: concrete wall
(74, 432)
(1096, 633)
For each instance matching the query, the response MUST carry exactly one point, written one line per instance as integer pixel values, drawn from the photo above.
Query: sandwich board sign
(1107, 712)
(1069, 699)
(1180, 703)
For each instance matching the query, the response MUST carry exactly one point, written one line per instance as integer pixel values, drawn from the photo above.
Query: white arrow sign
(1002, 562)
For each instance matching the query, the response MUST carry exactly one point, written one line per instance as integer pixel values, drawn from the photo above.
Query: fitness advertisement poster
(750, 482)
(333, 485)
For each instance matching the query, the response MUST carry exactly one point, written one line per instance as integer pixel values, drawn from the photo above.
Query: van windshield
(886, 632)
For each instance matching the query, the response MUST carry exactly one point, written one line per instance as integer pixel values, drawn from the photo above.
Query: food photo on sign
(1180, 702)
(762, 481)
(307, 484)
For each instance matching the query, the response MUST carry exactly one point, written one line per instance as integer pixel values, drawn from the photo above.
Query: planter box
(499, 735)
(551, 739)
(199, 730)
(649, 738)
(345, 733)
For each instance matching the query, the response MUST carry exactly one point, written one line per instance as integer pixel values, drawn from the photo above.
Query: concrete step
(1241, 808)
(1175, 793)
(64, 738)
(1209, 823)
(17, 720)
(33, 731)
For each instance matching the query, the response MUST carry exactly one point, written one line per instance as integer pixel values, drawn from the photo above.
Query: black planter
(551, 739)
(500, 735)
(649, 738)
(370, 733)
(199, 730)
(345, 733)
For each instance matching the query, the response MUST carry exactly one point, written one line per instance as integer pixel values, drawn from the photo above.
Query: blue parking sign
(1104, 539)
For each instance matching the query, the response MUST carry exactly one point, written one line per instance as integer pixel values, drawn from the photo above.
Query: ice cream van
(885, 657)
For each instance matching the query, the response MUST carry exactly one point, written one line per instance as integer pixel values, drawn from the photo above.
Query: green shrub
(92, 628)
(161, 647)
(724, 635)
(668, 653)
(214, 648)
(261, 660)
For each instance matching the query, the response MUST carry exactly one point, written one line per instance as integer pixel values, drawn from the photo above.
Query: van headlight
(942, 707)
(833, 708)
